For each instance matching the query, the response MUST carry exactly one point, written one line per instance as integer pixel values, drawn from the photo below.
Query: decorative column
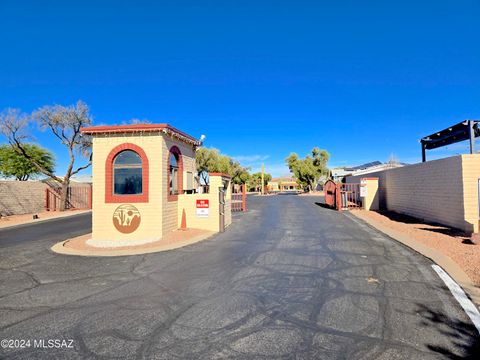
(369, 193)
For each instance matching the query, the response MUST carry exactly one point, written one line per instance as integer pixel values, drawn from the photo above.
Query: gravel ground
(450, 242)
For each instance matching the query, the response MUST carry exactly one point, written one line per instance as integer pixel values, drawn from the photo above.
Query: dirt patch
(450, 242)
(11, 220)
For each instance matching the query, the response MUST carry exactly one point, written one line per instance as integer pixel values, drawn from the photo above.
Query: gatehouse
(145, 185)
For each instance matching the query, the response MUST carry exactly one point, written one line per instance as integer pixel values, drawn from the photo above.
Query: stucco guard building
(144, 185)
(283, 184)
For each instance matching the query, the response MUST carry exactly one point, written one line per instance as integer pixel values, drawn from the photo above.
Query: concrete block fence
(443, 191)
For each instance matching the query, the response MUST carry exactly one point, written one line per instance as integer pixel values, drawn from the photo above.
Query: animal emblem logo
(126, 218)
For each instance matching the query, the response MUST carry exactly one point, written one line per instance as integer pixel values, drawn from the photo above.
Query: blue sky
(361, 79)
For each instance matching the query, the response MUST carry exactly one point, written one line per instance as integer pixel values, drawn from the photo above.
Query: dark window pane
(173, 181)
(173, 160)
(128, 157)
(128, 181)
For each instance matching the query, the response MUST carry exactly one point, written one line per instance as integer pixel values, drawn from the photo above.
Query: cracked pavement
(289, 280)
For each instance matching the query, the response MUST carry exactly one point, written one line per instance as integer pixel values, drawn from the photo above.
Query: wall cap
(219, 174)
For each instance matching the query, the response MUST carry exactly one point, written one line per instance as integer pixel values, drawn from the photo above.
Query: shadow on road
(325, 206)
(464, 336)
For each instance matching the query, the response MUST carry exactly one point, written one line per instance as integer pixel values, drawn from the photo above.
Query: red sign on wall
(203, 204)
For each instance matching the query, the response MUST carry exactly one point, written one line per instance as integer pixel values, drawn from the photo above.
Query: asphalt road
(289, 279)
(48, 231)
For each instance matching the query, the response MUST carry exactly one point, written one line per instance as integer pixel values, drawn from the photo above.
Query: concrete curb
(60, 248)
(437, 257)
(40, 221)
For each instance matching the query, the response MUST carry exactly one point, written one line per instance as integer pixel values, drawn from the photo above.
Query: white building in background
(339, 174)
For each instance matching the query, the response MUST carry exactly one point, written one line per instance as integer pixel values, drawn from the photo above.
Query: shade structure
(465, 130)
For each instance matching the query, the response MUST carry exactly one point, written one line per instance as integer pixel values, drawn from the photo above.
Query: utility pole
(263, 171)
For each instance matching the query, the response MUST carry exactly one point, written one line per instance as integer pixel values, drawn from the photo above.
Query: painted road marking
(457, 292)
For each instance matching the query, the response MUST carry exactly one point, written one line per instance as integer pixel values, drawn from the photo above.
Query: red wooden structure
(342, 196)
(330, 189)
(239, 198)
(78, 197)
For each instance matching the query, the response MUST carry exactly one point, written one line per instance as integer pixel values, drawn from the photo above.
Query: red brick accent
(219, 174)
(122, 128)
(109, 196)
(178, 154)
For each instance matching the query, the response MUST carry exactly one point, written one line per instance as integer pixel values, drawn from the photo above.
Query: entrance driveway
(289, 279)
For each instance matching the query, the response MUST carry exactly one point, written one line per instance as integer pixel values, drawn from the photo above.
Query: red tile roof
(115, 129)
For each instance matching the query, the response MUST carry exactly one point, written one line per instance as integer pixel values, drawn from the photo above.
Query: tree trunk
(64, 195)
(204, 177)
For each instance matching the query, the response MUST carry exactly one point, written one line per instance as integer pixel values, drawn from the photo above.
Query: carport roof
(453, 134)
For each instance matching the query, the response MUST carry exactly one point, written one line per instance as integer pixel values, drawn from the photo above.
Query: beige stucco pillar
(217, 181)
(369, 193)
(202, 211)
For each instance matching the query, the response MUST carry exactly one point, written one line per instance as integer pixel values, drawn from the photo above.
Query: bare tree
(393, 161)
(65, 123)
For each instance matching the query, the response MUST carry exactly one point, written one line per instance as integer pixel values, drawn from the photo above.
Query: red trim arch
(178, 154)
(109, 196)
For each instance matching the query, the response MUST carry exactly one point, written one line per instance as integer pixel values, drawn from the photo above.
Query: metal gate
(350, 196)
(221, 208)
(239, 198)
(342, 196)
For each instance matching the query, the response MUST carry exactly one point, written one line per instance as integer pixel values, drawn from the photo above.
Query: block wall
(471, 176)
(21, 197)
(187, 202)
(444, 191)
(382, 182)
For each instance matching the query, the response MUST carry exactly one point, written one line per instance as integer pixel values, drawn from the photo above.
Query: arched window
(175, 173)
(173, 186)
(127, 173)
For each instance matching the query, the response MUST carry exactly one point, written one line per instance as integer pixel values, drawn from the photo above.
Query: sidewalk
(82, 245)
(449, 248)
(16, 220)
